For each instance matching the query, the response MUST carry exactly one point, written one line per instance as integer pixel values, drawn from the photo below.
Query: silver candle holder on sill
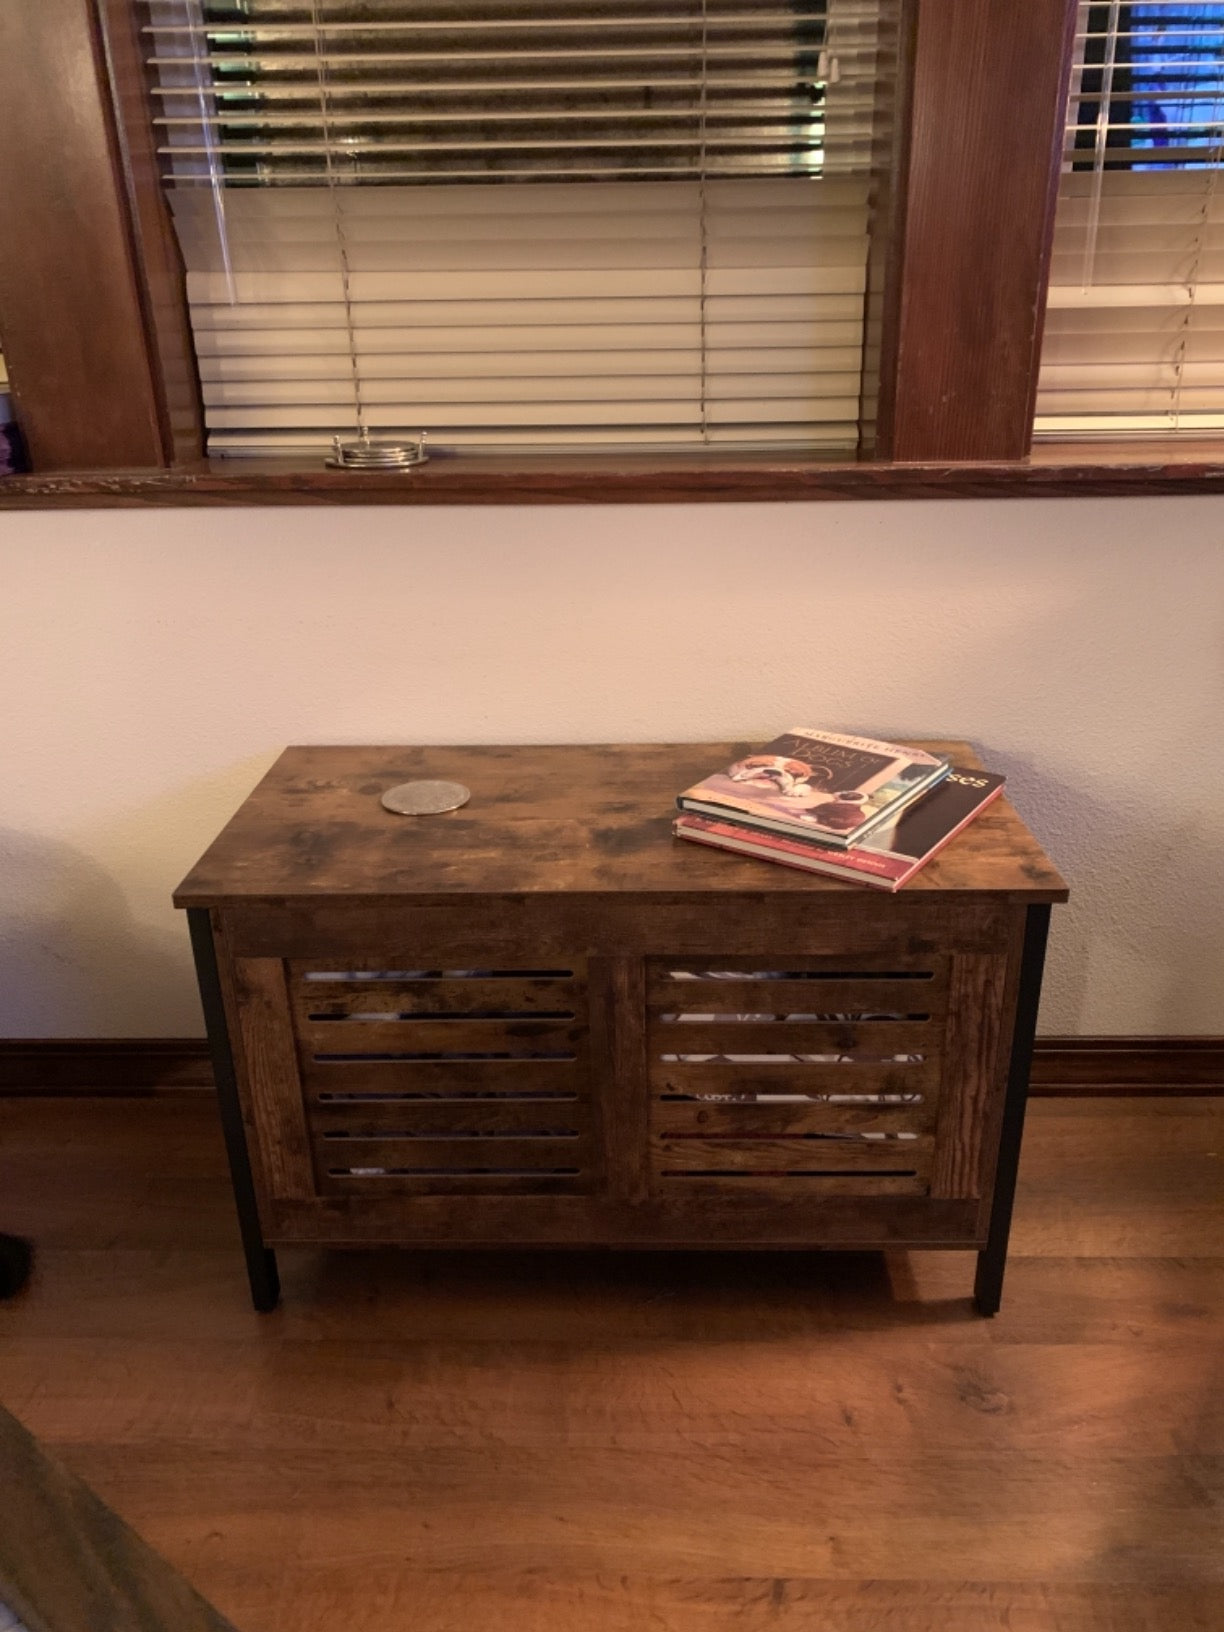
(366, 454)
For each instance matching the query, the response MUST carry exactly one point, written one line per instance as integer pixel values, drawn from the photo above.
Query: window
(663, 249)
(1135, 327)
(524, 223)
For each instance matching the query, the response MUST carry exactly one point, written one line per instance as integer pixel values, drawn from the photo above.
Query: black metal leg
(260, 1259)
(992, 1260)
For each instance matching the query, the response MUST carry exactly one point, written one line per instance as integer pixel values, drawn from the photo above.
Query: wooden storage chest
(540, 1020)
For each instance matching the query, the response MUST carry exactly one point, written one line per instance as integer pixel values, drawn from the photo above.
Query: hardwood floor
(69, 1563)
(686, 1443)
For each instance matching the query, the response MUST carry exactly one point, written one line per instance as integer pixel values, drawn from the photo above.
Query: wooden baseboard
(1085, 1066)
(103, 1065)
(1103, 1066)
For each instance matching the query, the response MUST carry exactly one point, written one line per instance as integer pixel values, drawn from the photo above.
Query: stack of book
(870, 812)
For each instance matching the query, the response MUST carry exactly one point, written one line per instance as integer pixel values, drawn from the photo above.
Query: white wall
(153, 663)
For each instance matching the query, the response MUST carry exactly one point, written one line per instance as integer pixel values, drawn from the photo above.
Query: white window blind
(515, 223)
(1134, 340)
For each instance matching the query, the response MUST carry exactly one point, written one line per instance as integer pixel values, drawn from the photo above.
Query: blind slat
(831, 437)
(287, 347)
(610, 361)
(675, 411)
(268, 62)
(691, 82)
(313, 117)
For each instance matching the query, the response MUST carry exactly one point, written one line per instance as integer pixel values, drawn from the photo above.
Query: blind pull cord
(202, 77)
(1181, 352)
(364, 453)
(1104, 107)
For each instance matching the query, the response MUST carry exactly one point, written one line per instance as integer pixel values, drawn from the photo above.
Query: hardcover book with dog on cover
(817, 785)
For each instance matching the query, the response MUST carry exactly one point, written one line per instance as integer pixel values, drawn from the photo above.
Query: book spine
(834, 867)
(891, 812)
(919, 862)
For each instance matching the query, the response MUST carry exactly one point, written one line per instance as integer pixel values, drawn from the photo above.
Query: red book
(888, 858)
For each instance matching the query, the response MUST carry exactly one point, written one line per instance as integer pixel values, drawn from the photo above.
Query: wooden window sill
(1098, 470)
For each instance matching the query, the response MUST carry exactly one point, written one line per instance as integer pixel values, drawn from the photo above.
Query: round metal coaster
(425, 798)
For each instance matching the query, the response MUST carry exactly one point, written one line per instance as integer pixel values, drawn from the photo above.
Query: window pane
(518, 223)
(1135, 327)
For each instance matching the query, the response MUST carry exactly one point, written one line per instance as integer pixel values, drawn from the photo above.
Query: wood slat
(728, 903)
(443, 1117)
(732, 1189)
(459, 997)
(875, 1039)
(393, 955)
(453, 1154)
(860, 996)
(457, 1036)
(788, 1155)
(761, 1121)
(401, 955)
(363, 1190)
(837, 964)
(717, 1077)
(444, 1076)
(749, 1211)
(265, 1050)
(975, 1064)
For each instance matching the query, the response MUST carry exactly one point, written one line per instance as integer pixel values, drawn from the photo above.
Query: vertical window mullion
(963, 312)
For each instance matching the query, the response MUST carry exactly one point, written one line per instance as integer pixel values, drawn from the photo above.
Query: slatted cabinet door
(445, 1081)
(658, 1093)
(791, 1080)
(795, 1076)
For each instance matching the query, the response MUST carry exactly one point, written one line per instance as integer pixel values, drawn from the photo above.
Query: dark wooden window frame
(93, 310)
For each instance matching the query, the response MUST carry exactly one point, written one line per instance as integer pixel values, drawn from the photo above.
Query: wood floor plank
(899, 1396)
(533, 1601)
(620, 1508)
(691, 1442)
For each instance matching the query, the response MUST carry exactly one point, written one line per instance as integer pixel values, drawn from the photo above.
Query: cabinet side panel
(980, 998)
(269, 1065)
